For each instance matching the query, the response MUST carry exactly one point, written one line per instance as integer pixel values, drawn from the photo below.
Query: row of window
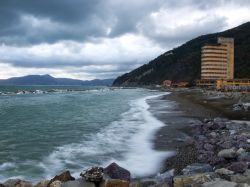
(217, 60)
(214, 73)
(214, 48)
(217, 57)
(214, 77)
(207, 65)
(218, 53)
(210, 68)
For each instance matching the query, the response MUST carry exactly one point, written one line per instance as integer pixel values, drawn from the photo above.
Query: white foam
(7, 165)
(127, 141)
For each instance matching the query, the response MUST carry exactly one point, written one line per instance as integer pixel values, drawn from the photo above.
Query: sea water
(46, 130)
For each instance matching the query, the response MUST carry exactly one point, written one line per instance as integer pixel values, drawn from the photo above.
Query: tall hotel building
(217, 60)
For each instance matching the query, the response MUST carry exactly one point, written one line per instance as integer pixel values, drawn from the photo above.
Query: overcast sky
(87, 39)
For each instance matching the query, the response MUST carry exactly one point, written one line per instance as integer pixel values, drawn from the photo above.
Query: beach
(191, 106)
(166, 138)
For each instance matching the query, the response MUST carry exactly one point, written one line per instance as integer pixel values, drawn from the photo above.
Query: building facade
(217, 60)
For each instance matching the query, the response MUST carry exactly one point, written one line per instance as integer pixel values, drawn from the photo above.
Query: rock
(238, 167)
(224, 171)
(220, 120)
(189, 141)
(17, 183)
(114, 183)
(134, 184)
(208, 147)
(240, 151)
(163, 184)
(56, 184)
(213, 134)
(241, 178)
(147, 182)
(196, 168)
(114, 171)
(1, 185)
(227, 153)
(193, 180)
(43, 183)
(245, 157)
(219, 183)
(78, 183)
(226, 145)
(165, 178)
(63, 177)
(243, 185)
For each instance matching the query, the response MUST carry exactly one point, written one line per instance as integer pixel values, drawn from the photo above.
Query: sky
(89, 39)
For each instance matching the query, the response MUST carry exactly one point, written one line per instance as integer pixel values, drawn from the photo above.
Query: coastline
(192, 107)
(185, 111)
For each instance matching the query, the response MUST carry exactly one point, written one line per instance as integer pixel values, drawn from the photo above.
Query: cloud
(102, 39)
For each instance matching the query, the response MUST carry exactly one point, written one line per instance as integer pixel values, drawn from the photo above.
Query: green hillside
(184, 63)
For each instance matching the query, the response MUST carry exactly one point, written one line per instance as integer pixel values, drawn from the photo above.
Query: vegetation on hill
(184, 63)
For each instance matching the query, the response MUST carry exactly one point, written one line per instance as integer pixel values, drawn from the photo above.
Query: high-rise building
(217, 60)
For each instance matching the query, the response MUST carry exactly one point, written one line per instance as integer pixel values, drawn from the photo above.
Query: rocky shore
(221, 148)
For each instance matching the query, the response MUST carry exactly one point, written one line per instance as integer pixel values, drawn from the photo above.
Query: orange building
(217, 60)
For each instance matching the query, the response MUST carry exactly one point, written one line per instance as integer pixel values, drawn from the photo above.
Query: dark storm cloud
(81, 20)
(68, 20)
(119, 35)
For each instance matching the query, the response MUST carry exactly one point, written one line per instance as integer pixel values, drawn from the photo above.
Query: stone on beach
(78, 183)
(227, 153)
(63, 177)
(197, 168)
(43, 183)
(114, 171)
(56, 184)
(219, 183)
(193, 180)
(224, 171)
(238, 167)
(114, 183)
(241, 178)
(17, 183)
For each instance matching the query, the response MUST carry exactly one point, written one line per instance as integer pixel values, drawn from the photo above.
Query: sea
(45, 130)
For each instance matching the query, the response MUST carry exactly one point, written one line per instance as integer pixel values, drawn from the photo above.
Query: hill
(184, 63)
(49, 80)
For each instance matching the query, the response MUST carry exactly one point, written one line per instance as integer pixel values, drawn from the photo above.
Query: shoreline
(189, 109)
(195, 106)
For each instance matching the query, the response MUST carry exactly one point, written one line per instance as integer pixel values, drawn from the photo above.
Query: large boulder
(164, 179)
(224, 171)
(238, 167)
(241, 178)
(227, 153)
(244, 156)
(114, 171)
(114, 183)
(63, 177)
(17, 183)
(193, 180)
(135, 184)
(78, 183)
(43, 183)
(219, 183)
(56, 184)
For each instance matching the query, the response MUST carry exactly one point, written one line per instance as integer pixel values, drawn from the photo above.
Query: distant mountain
(49, 80)
(184, 63)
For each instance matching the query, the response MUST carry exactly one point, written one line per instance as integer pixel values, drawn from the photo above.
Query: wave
(127, 142)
